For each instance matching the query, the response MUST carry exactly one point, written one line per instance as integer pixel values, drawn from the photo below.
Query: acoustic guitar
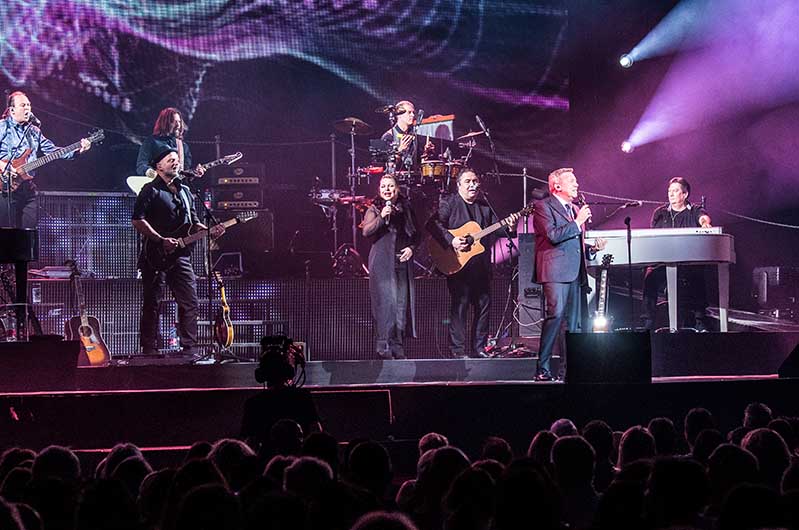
(449, 261)
(161, 260)
(86, 328)
(223, 326)
(23, 167)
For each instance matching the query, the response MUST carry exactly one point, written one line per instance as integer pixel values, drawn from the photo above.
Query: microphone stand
(493, 156)
(511, 246)
(630, 271)
(216, 354)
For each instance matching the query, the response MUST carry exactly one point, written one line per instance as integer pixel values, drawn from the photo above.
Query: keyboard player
(678, 213)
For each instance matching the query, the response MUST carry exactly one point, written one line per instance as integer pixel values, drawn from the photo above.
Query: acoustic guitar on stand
(85, 328)
(223, 326)
(449, 261)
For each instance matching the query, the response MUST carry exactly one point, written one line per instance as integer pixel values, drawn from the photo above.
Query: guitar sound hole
(85, 331)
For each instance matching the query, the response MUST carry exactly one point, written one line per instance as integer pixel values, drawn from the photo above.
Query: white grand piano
(672, 247)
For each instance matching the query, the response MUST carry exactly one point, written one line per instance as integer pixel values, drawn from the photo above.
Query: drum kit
(438, 173)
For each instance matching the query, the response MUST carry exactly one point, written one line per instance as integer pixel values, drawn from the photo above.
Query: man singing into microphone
(402, 136)
(678, 213)
(164, 211)
(22, 141)
(471, 286)
(168, 133)
(560, 253)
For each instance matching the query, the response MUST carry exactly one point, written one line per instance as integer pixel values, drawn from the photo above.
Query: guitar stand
(218, 355)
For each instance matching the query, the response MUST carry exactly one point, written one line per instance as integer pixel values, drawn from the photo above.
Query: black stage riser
(337, 323)
(465, 413)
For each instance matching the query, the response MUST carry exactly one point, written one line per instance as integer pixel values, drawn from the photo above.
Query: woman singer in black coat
(390, 224)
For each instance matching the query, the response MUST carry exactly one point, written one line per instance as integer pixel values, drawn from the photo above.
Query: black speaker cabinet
(608, 357)
(790, 366)
(255, 240)
(39, 365)
(530, 296)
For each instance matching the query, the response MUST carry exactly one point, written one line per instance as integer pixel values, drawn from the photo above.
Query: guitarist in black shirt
(164, 212)
(470, 286)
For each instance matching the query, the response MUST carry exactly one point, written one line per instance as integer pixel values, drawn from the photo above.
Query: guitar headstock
(229, 159)
(96, 136)
(243, 217)
(607, 259)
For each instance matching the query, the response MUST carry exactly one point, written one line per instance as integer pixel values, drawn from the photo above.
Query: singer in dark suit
(471, 286)
(390, 224)
(560, 254)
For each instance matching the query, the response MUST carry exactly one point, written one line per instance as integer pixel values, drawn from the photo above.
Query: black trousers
(470, 287)
(391, 316)
(182, 282)
(25, 210)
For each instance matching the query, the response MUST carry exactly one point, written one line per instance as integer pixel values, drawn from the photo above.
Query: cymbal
(352, 124)
(469, 135)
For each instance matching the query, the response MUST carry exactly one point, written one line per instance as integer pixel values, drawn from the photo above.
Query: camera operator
(282, 398)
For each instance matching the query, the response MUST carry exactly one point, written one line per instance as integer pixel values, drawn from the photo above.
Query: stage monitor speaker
(254, 239)
(39, 365)
(530, 297)
(608, 358)
(790, 366)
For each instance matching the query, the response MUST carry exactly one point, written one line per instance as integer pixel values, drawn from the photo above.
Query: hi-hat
(352, 124)
(469, 135)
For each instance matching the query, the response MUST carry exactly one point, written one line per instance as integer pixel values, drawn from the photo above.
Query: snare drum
(433, 169)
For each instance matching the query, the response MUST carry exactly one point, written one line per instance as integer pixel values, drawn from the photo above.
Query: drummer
(402, 136)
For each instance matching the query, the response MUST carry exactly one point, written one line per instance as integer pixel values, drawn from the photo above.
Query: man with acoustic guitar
(22, 142)
(471, 285)
(163, 213)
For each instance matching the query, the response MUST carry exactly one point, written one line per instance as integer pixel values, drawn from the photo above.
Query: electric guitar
(136, 183)
(86, 328)
(449, 261)
(23, 167)
(602, 321)
(161, 260)
(223, 326)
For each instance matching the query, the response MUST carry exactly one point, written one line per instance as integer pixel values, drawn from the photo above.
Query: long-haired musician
(168, 133)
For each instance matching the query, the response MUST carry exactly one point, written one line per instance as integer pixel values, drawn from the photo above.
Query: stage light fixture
(626, 60)
(627, 146)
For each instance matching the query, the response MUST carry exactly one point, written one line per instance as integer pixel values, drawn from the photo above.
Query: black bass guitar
(161, 260)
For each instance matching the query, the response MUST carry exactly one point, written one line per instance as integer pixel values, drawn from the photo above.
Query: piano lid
(18, 244)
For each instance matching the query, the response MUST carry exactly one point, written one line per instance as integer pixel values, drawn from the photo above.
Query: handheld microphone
(581, 199)
(388, 217)
(482, 126)
(33, 120)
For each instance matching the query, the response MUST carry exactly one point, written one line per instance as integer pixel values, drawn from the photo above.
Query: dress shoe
(398, 355)
(385, 355)
(458, 355)
(480, 354)
(544, 376)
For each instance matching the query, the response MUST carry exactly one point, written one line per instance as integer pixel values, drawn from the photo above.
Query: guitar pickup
(532, 292)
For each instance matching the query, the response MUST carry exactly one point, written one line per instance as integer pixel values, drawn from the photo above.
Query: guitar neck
(46, 159)
(202, 233)
(81, 301)
(603, 289)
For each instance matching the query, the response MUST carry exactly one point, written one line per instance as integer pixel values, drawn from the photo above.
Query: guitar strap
(179, 143)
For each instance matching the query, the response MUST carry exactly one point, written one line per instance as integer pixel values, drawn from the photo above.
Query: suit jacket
(453, 213)
(559, 243)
